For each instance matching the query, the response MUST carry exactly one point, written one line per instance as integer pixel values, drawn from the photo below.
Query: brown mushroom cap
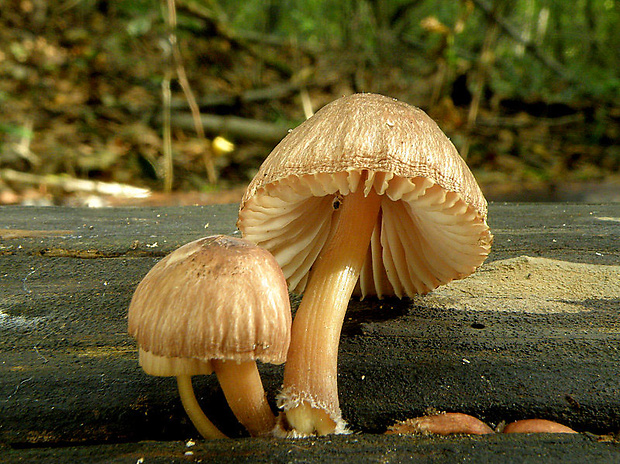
(432, 224)
(214, 298)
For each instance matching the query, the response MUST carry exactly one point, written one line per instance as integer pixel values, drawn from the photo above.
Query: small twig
(17, 388)
(185, 85)
(302, 77)
(167, 134)
(481, 73)
(36, 348)
(26, 289)
(306, 103)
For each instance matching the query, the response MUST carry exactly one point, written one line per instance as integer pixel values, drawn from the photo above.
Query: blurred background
(174, 102)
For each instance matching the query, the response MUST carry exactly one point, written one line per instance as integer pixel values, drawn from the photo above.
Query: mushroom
(367, 195)
(216, 304)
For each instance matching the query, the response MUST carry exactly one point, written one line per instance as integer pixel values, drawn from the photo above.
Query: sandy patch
(537, 285)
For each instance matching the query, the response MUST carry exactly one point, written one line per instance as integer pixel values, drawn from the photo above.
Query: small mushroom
(216, 304)
(370, 196)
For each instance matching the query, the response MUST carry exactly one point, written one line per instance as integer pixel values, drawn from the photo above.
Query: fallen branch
(71, 184)
(518, 122)
(234, 126)
(274, 92)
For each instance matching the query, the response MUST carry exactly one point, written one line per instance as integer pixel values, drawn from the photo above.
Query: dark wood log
(69, 372)
(498, 448)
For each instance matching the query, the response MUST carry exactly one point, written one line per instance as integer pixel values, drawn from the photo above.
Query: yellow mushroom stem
(244, 392)
(310, 390)
(204, 426)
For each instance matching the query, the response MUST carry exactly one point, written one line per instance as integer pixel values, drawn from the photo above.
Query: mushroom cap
(432, 224)
(214, 298)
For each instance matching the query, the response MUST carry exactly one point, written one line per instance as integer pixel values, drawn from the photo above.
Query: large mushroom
(216, 304)
(367, 195)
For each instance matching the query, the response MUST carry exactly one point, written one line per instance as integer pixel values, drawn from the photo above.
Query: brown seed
(441, 424)
(536, 426)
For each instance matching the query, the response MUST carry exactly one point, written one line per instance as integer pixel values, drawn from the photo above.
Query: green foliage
(580, 35)
(15, 131)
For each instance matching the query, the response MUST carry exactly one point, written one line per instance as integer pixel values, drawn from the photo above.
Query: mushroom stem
(244, 392)
(193, 410)
(310, 391)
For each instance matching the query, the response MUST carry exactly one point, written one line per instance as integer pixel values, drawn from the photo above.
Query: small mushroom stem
(310, 391)
(193, 410)
(244, 392)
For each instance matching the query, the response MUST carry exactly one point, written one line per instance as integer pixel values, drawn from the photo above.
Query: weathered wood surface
(69, 375)
(366, 448)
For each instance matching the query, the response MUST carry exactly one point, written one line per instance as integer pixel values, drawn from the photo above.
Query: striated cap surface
(432, 225)
(214, 298)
